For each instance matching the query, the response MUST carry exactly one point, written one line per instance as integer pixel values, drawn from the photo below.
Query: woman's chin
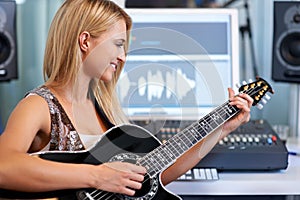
(106, 79)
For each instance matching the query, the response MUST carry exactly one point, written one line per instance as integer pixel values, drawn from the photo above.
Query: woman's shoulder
(32, 108)
(42, 91)
(35, 98)
(29, 116)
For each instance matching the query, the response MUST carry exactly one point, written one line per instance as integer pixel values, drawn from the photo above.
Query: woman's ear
(84, 41)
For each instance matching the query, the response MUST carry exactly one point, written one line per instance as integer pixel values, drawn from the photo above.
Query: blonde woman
(84, 57)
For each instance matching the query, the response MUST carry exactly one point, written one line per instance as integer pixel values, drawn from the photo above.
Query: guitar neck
(166, 154)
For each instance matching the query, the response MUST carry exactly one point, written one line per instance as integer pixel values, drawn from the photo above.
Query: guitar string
(207, 121)
(219, 108)
(181, 139)
(101, 192)
(178, 138)
(103, 196)
(210, 119)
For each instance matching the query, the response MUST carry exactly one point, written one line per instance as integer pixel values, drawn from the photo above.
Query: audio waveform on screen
(155, 85)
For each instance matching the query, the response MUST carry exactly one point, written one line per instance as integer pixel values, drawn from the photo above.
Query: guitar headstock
(258, 91)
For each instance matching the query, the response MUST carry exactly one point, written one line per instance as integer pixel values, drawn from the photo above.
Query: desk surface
(283, 182)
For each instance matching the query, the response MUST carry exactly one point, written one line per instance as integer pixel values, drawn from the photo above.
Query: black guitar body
(122, 143)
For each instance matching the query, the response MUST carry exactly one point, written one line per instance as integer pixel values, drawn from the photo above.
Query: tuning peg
(259, 106)
(250, 80)
(264, 101)
(238, 85)
(244, 83)
(267, 97)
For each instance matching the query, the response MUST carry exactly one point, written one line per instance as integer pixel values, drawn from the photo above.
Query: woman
(84, 57)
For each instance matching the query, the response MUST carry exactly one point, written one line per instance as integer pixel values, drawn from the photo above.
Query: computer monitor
(180, 62)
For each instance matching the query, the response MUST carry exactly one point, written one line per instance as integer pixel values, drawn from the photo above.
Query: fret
(173, 148)
(175, 145)
(228, 111)
(198, 132)
(150, 162)
(201, 131)
(231, 110)
(161, 158)
(220, 112)
(218, 120)
(180, 144)
(157, 158)
(168, 152)
(185, 138)
(154, 163)
(151, 172)
(223, 113)
(212, 124)
(146, 165)
(194, 135)
(235, 109)
(205, 126)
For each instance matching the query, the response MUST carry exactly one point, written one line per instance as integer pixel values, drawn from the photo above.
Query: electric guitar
(131, 143)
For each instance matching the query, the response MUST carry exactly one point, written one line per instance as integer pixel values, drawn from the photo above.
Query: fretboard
(167, 153)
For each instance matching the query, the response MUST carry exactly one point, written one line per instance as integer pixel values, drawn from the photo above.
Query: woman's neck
(71, 93)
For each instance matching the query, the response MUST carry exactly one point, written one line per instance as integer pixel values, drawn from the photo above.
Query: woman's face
(106, 53)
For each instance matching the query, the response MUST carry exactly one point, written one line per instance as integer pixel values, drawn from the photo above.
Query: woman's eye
(120, 45)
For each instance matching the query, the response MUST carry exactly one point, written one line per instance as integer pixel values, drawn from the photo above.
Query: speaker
(286, 42)
(8, 46)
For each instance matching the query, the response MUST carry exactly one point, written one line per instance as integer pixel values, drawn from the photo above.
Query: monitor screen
(180, 62)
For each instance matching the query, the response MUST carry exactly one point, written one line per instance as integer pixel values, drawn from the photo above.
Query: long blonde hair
(63, 55)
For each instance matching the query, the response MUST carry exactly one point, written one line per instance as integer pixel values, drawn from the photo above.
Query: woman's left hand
(242, 101)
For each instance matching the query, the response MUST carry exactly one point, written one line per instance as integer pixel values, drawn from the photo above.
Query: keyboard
(200, 174)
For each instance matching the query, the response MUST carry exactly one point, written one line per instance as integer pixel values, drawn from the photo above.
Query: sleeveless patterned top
(64, 136)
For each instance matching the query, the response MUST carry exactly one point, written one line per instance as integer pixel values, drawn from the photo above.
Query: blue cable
(292, 153)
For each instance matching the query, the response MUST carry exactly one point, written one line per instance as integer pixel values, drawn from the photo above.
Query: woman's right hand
(119, 177)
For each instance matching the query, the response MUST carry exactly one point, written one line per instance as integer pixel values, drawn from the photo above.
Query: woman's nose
(122, 57)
